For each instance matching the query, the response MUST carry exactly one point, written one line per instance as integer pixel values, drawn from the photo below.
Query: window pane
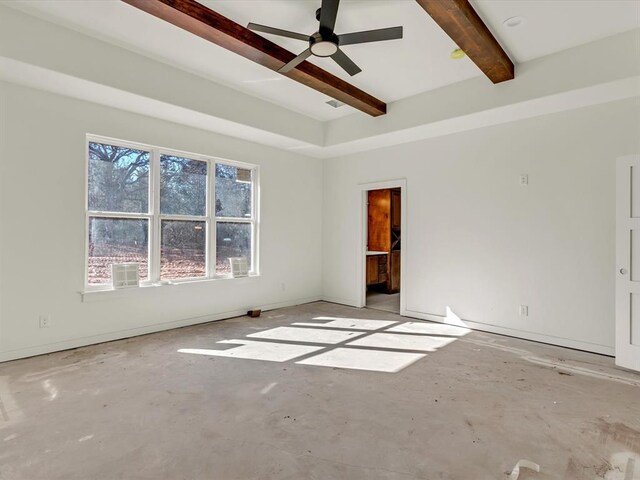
(117, 241)
(232, 240)
(183, 186)
(233, 191)
(183, 253)
(118, 179)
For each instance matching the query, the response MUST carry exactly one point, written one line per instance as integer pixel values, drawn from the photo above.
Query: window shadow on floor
(349, 343)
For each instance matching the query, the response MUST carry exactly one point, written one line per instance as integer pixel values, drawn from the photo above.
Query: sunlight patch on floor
(355, 323)
(429, 329)
(268, 351)
(349, 343)
(360, 359)
(403, 342)
(308, 335)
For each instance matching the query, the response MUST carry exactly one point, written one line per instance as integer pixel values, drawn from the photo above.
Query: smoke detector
(513, 22)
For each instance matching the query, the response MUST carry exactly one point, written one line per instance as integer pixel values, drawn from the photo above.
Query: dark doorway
(384, 243)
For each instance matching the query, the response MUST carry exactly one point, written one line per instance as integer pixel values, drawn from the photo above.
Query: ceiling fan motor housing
(323, 45)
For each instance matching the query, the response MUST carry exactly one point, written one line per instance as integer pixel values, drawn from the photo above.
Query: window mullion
(123, 215)
(255, 199)
(154, 237)
(86, 241)
(234, 220)
(184, 218)
(211, 224)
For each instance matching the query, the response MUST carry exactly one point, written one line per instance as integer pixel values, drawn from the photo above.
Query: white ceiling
(391, 70)
(554, 25)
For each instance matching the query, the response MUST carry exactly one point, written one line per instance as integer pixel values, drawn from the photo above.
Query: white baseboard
(341, 301)
(134, 332)
(512, 332)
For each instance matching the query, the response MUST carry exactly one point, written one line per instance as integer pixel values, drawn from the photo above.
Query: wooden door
(395, 209)
(394, 272)
(372, 270)
(376, 269)
(379, 224)
(628, 262)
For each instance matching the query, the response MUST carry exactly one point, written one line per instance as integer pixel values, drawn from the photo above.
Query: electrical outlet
(283, 287)
(524, 311)
(45, 321)
(524, 179)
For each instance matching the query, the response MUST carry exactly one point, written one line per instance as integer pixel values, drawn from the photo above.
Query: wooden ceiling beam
(465, 27)
(216, 28)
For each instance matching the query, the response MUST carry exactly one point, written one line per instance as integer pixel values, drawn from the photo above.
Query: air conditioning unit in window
(125, 275)
(239, 266)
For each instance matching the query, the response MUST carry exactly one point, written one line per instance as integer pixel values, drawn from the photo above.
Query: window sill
(109, 293)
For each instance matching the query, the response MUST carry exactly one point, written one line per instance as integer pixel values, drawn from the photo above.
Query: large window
(180, 216)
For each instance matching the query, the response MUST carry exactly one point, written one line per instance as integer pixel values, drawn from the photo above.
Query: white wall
(43, 55)
(476, 241)
(482, 244)
(42, 157)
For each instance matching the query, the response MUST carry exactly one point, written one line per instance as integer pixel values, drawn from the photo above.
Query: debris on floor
(515, 473)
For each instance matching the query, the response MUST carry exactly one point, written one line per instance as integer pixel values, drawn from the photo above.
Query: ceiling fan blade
(346, 63)
(296, 61)
(328, 14)
(277, 31)
(391, 33)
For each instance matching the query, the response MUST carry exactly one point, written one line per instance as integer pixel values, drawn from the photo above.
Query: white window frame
(155, 219)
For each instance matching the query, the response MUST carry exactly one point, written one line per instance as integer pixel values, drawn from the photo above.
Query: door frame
(361, 250)
(627, 354)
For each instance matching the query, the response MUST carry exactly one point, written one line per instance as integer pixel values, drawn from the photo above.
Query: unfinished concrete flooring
(388, 398)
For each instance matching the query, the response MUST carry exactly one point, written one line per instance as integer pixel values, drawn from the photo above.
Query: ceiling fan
(325, 43)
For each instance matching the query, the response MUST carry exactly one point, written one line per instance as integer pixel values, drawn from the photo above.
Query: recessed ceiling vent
(335, 103)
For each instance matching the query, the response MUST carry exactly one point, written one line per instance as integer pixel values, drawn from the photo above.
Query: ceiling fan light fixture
(324, 48)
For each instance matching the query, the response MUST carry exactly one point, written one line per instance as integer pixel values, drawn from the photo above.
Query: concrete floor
(384, 301)
(420, 401)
